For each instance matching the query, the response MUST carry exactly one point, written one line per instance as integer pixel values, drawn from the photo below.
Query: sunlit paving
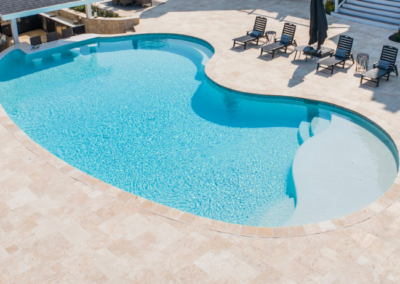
(184, 141)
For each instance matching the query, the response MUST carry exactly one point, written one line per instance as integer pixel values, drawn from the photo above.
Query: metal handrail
(338, 5)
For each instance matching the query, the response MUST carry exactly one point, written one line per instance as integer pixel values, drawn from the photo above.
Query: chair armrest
(248, 32)
(277, 39)
(374, 65)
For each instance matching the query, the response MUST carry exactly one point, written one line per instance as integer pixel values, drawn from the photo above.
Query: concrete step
(384, 2)
(373, 5)
(384, 19)
(372, 10)
(366, 21)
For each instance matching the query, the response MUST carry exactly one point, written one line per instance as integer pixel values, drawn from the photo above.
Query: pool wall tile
(134, 200)
(327, 226)
(103, 186)
(341, 222)
(125, 196)
(311, 229)
(160, 209)
(280, 232)
(201, 221)
(248, 231)
(187, 218)
(394, 192)
(67, 168)
(176, 214)
(148, 205)
(376, 207)
(296, 231)
(264, 232)
(360, 215)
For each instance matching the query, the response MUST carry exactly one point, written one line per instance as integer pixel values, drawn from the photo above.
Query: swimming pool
(139, 113)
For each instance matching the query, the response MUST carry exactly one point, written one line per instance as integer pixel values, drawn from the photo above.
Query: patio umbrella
(318, 23)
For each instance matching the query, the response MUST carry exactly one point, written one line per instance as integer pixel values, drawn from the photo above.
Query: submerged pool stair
(309, 129)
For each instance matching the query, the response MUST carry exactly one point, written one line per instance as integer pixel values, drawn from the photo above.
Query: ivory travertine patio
(59, 225)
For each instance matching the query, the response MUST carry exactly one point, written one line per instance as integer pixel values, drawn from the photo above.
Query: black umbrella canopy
(318, 23)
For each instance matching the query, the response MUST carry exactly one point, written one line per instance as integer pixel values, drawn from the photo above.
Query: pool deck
(59, 225)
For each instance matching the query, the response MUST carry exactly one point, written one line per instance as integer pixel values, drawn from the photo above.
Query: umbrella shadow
(303, 69)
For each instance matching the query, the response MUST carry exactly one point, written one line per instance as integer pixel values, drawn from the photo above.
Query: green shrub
(329, 6)
(396, 36)
(80, 9)
(100, 12)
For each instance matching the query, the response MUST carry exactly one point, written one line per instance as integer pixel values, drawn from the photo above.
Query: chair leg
(377, 82)
(361, 80)
(387, 79)
(317, 66)
(333, 66)
(352, 58)
(397, 72)
(245, 45)
(234, 43)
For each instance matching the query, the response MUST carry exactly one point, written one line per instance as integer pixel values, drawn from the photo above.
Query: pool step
(318, 125)
(304, 132)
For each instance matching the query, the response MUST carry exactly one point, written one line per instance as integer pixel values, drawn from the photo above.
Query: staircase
(379, 13)
(309, 129)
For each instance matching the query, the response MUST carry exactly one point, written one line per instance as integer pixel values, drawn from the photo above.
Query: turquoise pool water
(139, 113)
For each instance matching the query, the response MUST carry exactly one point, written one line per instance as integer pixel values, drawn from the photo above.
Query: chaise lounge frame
(289, 30)
(346, 43)
(259, 25)
(389, 53)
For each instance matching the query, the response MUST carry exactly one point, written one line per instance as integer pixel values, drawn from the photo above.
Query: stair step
(384, 2)
(371, 10)
(375, 5)
(366, 21)
(304, 132)
(385, 19)
(318, 125)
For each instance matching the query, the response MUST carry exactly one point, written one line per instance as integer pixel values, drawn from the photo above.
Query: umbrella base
(322, 52)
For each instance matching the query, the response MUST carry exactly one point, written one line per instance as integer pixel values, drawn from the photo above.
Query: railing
(338, 4)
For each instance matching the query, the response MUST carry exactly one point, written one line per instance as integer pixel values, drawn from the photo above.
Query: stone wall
(101, 25)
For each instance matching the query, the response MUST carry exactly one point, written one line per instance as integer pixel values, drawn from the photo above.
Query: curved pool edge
(375, 208)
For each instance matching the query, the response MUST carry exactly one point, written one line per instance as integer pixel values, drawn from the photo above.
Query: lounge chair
(52, 36)
(342, 54)
(283, 42)
(66, 33)
(253, 35)
(385, 65)
(36, 41)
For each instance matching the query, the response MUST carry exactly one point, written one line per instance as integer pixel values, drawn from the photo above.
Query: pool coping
(378, 206)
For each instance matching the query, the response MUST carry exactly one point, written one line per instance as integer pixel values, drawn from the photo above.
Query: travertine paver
(59, 225)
